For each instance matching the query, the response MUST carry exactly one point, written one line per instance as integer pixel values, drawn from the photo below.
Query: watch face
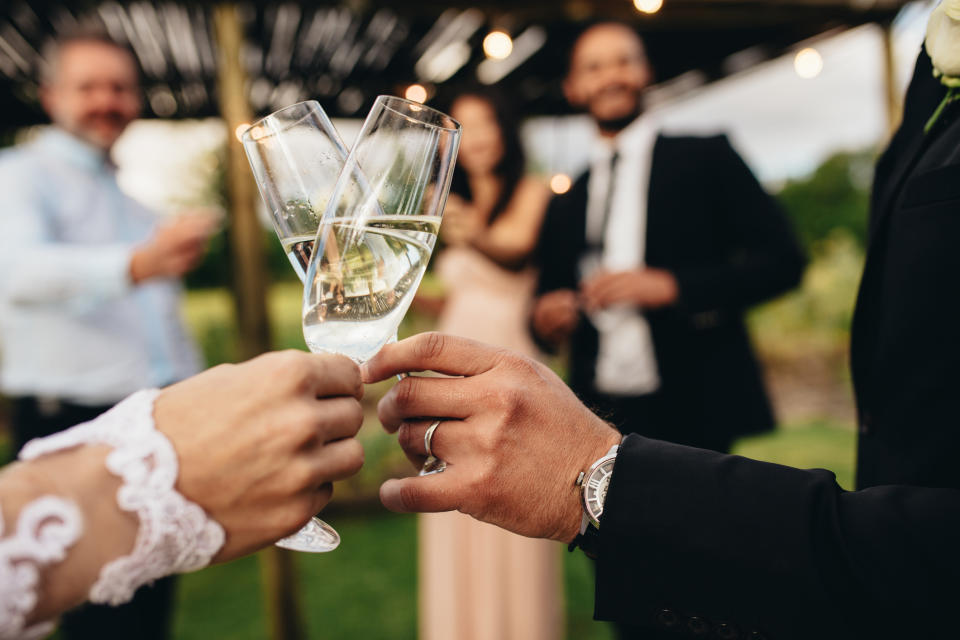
(595, 489)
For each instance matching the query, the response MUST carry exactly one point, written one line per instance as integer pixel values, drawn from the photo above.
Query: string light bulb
(808, 63)
(498, 45)
(648, 6)
(416, 93)
(560, 183)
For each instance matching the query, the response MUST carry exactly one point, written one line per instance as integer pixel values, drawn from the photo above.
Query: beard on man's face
(620, 116)
(618, 123)
(102, 127)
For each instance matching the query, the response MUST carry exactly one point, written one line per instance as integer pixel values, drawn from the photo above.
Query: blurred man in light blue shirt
(89, 279)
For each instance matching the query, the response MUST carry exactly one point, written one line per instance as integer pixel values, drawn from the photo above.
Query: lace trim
(46, 528)
(175, 534)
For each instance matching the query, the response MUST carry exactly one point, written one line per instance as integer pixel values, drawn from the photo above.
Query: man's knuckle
(405, 437)
(431, 345)
(405, 393)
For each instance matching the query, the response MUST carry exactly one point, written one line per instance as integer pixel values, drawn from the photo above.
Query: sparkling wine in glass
(379, 228)
(296, 155)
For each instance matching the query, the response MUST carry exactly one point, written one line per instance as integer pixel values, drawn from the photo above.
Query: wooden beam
(894, 99)
(250, 287)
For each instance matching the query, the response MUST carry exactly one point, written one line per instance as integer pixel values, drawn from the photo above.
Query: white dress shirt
(72, 324)
(626, 363)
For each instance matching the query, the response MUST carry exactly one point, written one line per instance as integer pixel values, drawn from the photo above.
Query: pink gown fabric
(478, 582)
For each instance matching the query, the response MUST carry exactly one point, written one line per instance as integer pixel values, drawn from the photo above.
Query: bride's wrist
(108, 531)
(171, 533)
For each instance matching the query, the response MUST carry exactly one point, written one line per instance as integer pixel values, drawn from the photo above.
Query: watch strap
(588, 541)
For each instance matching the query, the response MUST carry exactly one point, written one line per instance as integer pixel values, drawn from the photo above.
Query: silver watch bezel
(606, 462)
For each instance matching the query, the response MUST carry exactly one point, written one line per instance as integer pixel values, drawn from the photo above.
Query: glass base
(315, 537)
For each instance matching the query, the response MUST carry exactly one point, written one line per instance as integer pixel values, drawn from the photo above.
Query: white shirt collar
(630, 141)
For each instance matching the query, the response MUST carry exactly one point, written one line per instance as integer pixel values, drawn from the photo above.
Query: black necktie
(608, 200)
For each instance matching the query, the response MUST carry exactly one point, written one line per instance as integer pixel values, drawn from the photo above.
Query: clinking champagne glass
(296, 155)
(379, 229)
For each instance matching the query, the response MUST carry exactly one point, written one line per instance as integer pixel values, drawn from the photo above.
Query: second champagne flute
(379, 228)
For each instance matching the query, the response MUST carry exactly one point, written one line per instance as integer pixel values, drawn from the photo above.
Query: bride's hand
(461, 222)
(260, 442)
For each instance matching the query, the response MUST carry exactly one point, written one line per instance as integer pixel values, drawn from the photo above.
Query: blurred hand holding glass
(367, 253)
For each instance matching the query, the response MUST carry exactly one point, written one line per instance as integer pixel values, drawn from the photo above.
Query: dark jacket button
(726, 631)
(667, 619)
(698, 626)
(866, 423)
(756, 635)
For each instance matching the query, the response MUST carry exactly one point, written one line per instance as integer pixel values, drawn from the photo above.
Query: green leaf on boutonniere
(953, 95)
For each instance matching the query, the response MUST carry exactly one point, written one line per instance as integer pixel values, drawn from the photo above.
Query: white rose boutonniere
(943, 45)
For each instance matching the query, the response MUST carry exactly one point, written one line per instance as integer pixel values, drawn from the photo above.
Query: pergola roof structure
(344, 54)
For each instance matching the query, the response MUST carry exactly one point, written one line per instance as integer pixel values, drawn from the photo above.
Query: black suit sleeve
(762, 256)
(691, 537)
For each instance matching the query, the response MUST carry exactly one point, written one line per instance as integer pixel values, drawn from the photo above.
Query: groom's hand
(513, 435)
(555, 315)
(648, 288)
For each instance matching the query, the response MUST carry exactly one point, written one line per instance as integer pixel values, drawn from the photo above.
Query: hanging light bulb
(648, 6)
(416, 93)
(498, 45)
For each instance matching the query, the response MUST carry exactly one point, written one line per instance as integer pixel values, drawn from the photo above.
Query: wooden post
(894, 99)
(249, 283)
(246, 234)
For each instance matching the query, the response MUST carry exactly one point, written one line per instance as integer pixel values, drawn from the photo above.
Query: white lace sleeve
(175, 534)
(45, 529)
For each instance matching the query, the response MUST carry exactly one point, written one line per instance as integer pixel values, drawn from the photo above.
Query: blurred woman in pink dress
(478, 582)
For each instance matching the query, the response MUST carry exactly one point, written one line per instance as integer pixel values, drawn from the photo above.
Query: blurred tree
(835, 196)
(214, 270)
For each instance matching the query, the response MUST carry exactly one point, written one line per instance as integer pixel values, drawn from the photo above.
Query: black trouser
(147, 616)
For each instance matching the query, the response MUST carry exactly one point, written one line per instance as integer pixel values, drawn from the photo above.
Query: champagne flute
(379, 229)
(296, 155)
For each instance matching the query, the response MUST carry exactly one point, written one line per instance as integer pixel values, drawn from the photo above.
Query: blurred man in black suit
(648, 262)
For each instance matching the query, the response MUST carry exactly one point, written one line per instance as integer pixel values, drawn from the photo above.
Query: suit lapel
(910, 142)
(654, 240)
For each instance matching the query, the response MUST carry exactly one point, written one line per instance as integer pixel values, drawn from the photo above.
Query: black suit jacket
(695, 542)
(906, 329)
(729, 245)
(692, 541)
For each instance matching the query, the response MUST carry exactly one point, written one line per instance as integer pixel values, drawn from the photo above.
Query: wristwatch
(593, 484)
